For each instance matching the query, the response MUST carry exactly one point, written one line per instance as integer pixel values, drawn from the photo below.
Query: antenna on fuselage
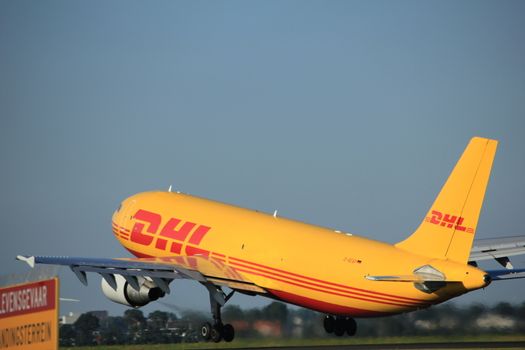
(275, 213)
(169, 189)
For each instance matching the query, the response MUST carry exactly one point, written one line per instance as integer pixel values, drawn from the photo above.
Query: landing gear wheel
(339, 331)
(329, 324)
(351, 326)
(206, 331)
(228, 333)
(216, 334)
(339, 327)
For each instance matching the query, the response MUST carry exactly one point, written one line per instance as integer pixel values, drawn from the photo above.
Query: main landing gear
(217, 331)
(339, 325)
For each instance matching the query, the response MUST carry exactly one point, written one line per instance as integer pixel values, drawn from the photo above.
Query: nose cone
(115, 215)
(117, 221)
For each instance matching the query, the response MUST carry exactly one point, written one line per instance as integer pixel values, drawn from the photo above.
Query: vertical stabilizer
(449, 227)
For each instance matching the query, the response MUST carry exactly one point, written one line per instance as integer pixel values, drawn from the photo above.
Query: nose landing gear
(339, 325)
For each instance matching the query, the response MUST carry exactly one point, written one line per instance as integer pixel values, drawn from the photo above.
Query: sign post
(29, 315)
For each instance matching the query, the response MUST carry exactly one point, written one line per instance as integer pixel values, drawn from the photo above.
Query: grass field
(246, 343)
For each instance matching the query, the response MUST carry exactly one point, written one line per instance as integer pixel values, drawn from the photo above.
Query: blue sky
(340, 113)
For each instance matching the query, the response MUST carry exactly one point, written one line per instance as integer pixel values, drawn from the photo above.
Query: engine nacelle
(125, 294)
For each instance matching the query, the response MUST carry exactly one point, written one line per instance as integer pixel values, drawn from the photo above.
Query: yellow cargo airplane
(175, 235)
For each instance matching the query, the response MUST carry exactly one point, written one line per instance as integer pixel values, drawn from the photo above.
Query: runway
(421, 346)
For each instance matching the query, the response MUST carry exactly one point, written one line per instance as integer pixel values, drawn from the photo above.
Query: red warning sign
(29, 315)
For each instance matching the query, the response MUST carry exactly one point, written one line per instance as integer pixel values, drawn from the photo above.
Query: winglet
(30, 260)
(69, 299)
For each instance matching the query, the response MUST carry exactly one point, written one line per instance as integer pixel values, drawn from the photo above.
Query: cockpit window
(120, 206)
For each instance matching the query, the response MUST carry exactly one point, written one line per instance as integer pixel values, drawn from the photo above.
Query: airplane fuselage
(307, 265)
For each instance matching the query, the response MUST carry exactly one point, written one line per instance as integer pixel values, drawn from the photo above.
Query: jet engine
(126, 294)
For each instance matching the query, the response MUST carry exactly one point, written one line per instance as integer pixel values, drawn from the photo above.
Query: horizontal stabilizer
(499, 275)
(422, 274)
(425, 278)
(407, 278)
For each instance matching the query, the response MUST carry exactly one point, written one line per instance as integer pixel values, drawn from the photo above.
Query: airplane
(178, 236)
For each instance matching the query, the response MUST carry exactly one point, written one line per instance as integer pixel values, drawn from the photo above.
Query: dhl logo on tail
(448, 220)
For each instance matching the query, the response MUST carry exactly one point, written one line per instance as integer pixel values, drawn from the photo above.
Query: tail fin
(449, 227)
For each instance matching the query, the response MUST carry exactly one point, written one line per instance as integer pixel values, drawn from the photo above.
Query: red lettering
(199, 234)
(176, 248)
(449, 220)
(436, 217)
(153, 219)
(458, 226)
(170, 230)
(147, 226)
(161, 244)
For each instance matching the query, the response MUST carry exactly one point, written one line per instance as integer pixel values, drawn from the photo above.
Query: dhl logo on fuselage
(171, 238)
(448, 220)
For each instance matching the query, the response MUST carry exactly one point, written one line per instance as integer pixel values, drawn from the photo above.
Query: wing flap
(237, 285)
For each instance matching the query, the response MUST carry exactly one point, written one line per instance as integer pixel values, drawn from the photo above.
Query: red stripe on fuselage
(329, 289)
(196, 251)
(345, 295)
(326, 282)
(121, 228)
(139, 254)
(325, 307)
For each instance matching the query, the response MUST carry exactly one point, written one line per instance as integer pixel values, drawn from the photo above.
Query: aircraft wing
(497, 248)
(162, 271)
